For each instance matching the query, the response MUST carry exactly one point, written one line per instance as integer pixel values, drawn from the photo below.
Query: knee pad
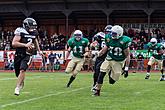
(68, 70)
(111, 81)
(101, 77)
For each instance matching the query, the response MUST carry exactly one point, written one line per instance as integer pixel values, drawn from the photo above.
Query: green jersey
(107, 37)
(154, 50)
(117, 47)
(78, 47)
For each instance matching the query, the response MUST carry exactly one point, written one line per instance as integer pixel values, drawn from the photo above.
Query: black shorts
(21, 62)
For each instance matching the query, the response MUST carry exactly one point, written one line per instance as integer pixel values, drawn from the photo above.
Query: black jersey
(25, 38)
(100, 38)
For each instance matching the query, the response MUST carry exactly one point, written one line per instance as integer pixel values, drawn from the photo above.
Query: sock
(161, 71)
(148, 73)
(70, 81)
(94, 82)
(148, 68)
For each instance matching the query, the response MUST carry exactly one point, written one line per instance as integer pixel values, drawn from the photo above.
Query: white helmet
(153, 41)
(116, 32)
(77, 35)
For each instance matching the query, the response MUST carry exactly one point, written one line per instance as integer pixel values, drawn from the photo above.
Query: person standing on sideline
(51, 61)
(140, 62)
(25, 41)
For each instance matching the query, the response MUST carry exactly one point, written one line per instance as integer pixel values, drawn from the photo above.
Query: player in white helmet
(156, 50)
(79, 47)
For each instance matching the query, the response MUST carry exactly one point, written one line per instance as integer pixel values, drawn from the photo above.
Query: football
(30, 51)
(94, 45)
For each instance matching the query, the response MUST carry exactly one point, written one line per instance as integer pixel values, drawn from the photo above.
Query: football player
(156, 50)
(118, 54)
(100, 38)
(79, 47)
(25, 41)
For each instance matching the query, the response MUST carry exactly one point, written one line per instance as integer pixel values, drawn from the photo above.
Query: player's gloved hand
(125, 72)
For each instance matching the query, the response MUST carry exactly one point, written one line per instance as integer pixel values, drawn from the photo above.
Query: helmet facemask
(153, 41)
(78, 37)
(107, 29)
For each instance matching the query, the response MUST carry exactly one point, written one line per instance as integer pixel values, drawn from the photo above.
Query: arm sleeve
(127, 43)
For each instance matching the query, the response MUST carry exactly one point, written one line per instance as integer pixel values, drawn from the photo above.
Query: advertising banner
(1, 56)
(143, 52)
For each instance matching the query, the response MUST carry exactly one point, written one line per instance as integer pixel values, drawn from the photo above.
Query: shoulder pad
(20, 30)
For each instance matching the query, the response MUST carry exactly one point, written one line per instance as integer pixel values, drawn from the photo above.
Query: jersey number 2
(29, 40)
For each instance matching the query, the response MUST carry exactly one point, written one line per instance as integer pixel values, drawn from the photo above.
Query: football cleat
(162, 78)
(147, 77)
(17, 90)
(67, 85)
(96, 93)
(93, 89)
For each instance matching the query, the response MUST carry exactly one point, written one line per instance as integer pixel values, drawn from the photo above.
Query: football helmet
(116, 32)
(153, 41)
(29, 24)
(107, 29)
(99, 36)
(78, 35)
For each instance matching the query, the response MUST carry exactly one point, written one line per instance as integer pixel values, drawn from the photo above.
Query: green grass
(47, 91)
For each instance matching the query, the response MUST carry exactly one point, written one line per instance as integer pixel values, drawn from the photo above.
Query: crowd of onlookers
(140, 38)
(54, 42)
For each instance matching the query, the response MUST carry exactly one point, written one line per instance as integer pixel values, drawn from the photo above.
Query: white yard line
(3, 79)
(41, 97)
(34, 77)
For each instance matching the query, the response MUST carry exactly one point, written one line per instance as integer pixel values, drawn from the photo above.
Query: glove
(125, 72)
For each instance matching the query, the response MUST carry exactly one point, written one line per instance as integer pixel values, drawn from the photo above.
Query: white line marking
(36, 98)
(34, 77)
(7, 79)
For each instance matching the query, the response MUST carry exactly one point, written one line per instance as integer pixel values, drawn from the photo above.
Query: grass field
(47, 91)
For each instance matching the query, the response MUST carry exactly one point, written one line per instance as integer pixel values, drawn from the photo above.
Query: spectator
(140, 62)
(57, 65)
(51, 61)
(6, 64)
(11, 65)
(44, 62)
